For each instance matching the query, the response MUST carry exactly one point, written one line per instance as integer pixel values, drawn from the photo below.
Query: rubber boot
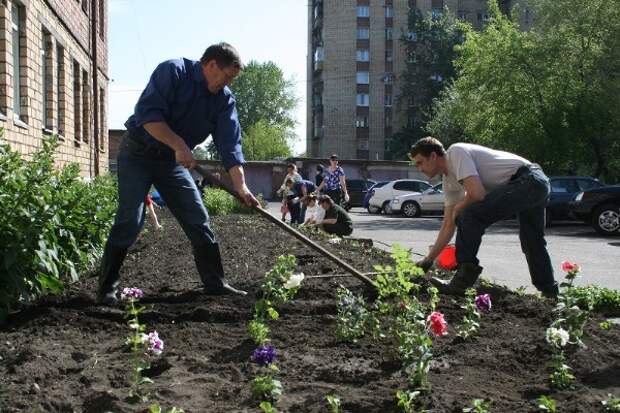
(465, 277)
(551, 292)
(209, 264)
(109, 274)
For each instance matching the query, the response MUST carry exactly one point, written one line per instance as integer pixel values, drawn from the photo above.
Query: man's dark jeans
(525, 196)
(138, 169)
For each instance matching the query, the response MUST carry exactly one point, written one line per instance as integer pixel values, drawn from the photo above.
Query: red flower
(437, 324)
(447, 258)
(568, 266)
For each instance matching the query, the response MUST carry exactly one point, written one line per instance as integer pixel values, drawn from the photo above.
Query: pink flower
(156, 345)
(437, 324)
(130, 293)
(568, 266)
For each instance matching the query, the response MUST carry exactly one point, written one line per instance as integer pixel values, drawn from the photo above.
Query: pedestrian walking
(483, 186)
(183, 103)
(334, 183)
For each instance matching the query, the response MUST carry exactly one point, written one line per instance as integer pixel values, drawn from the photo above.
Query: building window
(85, 107)
(388, 120)
(18, 49)
(361, 122)
(388, 99)
(102, 115)
(60, 89)
(362, 144)
(389, 11)
(101, 19)
(389, 55)
(412, 36)
(363, 11)
(388, 78)
(363, 33)
(363, 78)
(363, 55)
(411, 57)
(462, 14)
(388, 33)
(362, 99)
(47, 81)
(77, 104)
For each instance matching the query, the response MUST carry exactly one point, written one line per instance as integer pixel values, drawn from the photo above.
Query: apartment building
(54, 78)
(355, 61)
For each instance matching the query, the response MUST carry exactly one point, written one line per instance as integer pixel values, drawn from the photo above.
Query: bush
(53, 224)
(220, 202)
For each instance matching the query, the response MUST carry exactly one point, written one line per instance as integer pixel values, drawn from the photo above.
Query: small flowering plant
(569, 315)
(437, 324)
(474, 304)
(572, 271)
(279, 286)
(353, 316)
(264, 355)
(483, 303)
(560, 376)
(140, 343)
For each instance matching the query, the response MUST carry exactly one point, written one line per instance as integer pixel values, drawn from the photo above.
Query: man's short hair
(289, 181)
(291, 165)
(426, 146)
(326, 198)
(224, 55)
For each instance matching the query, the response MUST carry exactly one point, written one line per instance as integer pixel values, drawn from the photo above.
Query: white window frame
(389, 11)
(362, 99)
(363, 55)
(362, 78)
(363, 11)
(363, 33)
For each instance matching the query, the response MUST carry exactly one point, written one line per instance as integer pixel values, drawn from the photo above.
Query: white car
(382, 196)
(414, 205)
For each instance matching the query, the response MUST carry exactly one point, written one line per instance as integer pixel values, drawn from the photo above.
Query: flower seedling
(264, 355)
(612, 404)
(547, 404)
(267, 407)
(478, 406)
(560, 377)
(156, 408)
(334, 403)
(437, 324)
(353, 317)
(469, 328)
(266, 388)
(406, 401)
(258, 332)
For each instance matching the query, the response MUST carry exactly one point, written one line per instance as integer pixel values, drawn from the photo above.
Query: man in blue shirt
(183, 103)
(296, 200)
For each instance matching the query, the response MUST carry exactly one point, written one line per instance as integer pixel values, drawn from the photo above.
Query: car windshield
(436, 188)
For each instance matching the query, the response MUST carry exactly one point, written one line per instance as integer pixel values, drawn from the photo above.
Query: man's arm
(238, 178)
(343, 184)
(162, 132)
(446, 232)
(474, 192)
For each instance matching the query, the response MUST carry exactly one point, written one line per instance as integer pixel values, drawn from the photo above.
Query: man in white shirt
(483, 186)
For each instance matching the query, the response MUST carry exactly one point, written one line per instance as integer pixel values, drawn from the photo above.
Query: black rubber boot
(465, 277)
(109, 274)
(551, 292)
(209, 264)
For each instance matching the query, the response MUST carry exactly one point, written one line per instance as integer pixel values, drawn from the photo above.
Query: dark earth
(66, 354)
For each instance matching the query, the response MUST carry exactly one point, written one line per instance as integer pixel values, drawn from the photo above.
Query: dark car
(370, 192)
(564, 189)
(599, 207)
(357, 188)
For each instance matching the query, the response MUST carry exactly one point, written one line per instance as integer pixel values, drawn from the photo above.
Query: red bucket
(447, 258)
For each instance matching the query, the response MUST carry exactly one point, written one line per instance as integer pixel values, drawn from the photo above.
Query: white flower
(334, 240)
(294, 281)
(557, 337)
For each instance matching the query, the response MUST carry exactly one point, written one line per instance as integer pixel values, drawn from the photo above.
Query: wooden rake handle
(214, 181)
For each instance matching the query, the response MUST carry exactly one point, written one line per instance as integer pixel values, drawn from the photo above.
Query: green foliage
(612, 404)
(478, 406)
(564, 69)
(258, 332)
(267, 407)
(406, 401)
(220, 202)
(469, 328)
(397, 281)
(262, 142)
(353, 317)
(53, 224)
(156, 408)
(547, 404)
(561, 376)
(334, 403)
(266, 388)
(274, 288)
(595, 297)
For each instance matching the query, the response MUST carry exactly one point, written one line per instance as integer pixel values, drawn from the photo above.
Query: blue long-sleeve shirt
(177, 94)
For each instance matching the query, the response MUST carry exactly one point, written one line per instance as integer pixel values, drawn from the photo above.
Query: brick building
(54, 78)
(354, 64)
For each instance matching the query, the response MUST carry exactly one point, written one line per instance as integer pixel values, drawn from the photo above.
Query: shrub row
(53, 224)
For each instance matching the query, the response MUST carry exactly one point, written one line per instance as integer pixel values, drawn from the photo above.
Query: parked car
(358, 188)
(382, 196)
(371, 192)
(564, 189)
(599, 207)
(414, 205)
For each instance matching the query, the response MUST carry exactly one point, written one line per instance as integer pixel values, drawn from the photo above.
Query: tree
(550, 94)
(263, 141)
(265, 102)
(430, 46)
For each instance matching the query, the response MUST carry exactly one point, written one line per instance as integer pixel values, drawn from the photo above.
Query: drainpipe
(93, 30)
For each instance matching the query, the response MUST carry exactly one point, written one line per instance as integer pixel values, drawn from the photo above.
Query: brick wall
(54, 80)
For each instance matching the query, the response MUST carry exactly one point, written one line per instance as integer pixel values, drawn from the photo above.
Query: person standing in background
(292, 174)
(334, 183)
(318, 178)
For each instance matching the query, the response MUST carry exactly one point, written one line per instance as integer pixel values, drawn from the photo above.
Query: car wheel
(411, 209)
(386, 208)
(373, 209)
(606, 219)
(547, 218)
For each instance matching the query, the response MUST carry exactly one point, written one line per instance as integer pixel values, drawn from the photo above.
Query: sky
(143, 33)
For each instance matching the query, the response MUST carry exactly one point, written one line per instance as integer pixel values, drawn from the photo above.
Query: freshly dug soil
(66, 354)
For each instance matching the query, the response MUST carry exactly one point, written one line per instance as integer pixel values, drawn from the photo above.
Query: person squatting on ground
(483, 186)
(148, 201)
(334, 183)
(183, 103)
(336, 220)
(296, 200)
(291, 173)
(314, 213)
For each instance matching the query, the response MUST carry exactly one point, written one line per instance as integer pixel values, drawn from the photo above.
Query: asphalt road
(500, 253)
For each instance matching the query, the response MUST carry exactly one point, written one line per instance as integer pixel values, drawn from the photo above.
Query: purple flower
(132, 293)
(156, 345)
(483, 302)
(264, 355)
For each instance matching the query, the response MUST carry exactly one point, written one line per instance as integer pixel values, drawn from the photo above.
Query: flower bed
(66, 354)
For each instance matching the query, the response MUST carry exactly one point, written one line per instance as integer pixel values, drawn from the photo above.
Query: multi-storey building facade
(53, 78)
(355, 61)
